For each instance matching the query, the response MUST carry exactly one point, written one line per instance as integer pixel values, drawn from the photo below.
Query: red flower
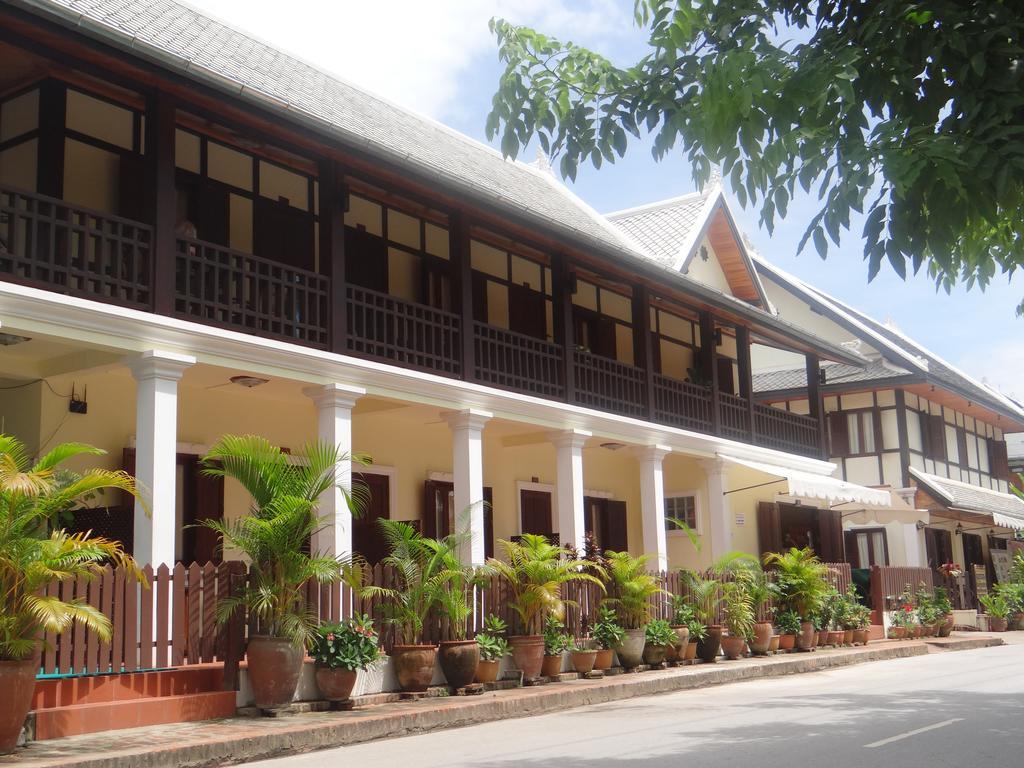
(330, 637)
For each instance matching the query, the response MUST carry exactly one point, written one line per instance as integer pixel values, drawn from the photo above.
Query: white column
(468, 475)
(334, 403)
(718, 507)
(156, 440)
(652, 502)
(913, 540)
(569, 486)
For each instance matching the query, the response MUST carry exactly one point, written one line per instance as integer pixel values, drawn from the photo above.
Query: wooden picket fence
(170, 618)
(889, 581)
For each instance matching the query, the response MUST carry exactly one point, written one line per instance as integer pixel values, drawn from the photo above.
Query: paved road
(962, 710)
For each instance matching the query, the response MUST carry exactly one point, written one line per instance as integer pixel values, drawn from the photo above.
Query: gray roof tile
(663, 228)
(835, 373)
(970, 497)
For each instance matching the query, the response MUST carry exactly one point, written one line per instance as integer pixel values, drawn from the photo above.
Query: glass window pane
(868, 432)
(853, 432)
(878, 548)
(863, 555)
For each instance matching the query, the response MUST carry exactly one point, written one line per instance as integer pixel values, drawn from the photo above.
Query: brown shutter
(998, 461)
(726, 381)
(769, 527)
(830, 531)
(961, 445)
(488, 522)
(936, 438)
(852, 553)
(536, 512)
(839, 438)
(615, 526)
(209, 500)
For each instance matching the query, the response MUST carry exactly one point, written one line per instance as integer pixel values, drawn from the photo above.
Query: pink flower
(330, 637)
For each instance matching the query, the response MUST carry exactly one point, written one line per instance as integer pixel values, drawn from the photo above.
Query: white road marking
(908, 734)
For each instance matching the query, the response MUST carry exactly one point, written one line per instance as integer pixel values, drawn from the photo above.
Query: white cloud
(418, 54)
(998, 364)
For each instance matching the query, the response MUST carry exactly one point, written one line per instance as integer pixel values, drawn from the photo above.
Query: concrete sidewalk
(236, 740)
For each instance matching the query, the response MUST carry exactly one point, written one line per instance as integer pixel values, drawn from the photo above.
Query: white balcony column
(652, 502)
(156, 440)
(569, 486)
(718, 507)
(334, 404)
(468, 478)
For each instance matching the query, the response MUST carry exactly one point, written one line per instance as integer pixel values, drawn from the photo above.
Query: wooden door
(205, 501)
(535, 513)
(437, 512)
(366, 260)
(830, 536)
(769, 527)
(938, 546)
(973, 552)
(367, 539)
(605, 521)
(526, 312)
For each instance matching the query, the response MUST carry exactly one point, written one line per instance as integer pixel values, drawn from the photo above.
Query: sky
(438, 58)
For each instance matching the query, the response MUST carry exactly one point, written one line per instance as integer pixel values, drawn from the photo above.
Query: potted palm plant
(706, 595)
(631, 587)
(998, 611)
(421, 569)
(285, 491)
(534, 570)
(33, 554)
(802, 583)
(739, 615)
(762, 592)
(493, 648)
(339, 651)
(608, 636)
(789, 627)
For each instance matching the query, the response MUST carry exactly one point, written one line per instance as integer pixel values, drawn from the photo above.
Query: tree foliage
(911, 113)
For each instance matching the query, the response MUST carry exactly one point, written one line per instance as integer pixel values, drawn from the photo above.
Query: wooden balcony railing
(47, 243)
(734, 417)
(388, 328)
(609, 385)
(682, 404)
(231, 289)
(521, 363)
(785, 430)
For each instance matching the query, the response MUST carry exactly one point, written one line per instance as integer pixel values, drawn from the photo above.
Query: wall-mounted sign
(741, 519)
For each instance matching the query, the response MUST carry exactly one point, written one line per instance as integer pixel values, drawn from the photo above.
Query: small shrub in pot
(493, 648)
(339, 651)
(607, 635)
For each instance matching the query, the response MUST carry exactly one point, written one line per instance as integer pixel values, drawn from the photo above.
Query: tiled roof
(165, 27)
(663, 228)
(835, 373)
(894, 345)
(971, 498)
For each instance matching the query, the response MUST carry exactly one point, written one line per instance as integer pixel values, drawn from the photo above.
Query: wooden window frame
(854, 532)
(670, 529)
(860, 414)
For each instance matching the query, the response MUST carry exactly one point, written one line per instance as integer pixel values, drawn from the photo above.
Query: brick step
(128, 686)
(79, 719)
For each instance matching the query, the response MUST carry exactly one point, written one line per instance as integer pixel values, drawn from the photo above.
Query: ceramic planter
(604, 658)
(787, 642)
(487, 671)
(583, 661)
(18, 682)
(822, 637)
(861, 636)
(528, 654)
(732, 646)
(551, 666)
(707, 649)
(761, 642)
(683, 637)
(835, 637)
(654, 655)
(773, 645)
(414, 666)
(947, 625)
(274, 666)
(805, 640)
(459, 660)
(996, 625)
(335, 684)
(691, 651)
(847, 637)
(631, 651)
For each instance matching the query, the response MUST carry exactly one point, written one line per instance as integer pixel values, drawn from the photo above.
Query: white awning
(811, 486)
(1008, 522)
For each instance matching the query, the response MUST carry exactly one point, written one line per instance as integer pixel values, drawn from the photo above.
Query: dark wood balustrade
(47, 243)
(785, 430)
(236, 290)
(682, 404)
(609, 385)
(385, 327)
(518, 362)
(734, 417)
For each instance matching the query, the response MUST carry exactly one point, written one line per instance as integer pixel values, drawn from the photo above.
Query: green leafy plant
(535, 570)
(705, 596)
(607, 632)
(350, 644)
(631, 587)
(32, 554)
(851, 609)
(285, 491)
(658, 632)
(801, 579)
(738, 607)
(995, 606)
(1013, 593)
(788, 623)
(942, 602)
(491, 639)
(556, 639)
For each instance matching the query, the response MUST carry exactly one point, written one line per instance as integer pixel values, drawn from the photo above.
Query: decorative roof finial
(543, 162)
(714, 180)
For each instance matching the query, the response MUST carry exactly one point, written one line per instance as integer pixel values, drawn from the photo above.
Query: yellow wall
(19, 413)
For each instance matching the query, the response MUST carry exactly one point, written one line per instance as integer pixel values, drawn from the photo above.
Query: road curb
(225, 742)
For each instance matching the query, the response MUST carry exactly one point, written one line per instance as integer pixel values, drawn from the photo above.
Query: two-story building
(200, 235)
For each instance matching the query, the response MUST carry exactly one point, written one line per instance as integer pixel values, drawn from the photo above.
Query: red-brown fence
(170, 619)
(889, 581)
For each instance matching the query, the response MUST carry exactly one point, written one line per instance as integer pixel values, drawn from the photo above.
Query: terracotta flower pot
(459, 660)
(901, 633)
(275, 664)
(762, 640)
(996, 625)
(1016, 621)
(787, 642)
(861, 636)
(676, 651)
(655, 654)
(947, 625)
(18, 681)
(805, 640)
(691, 651)
(847, 637)
(335, 684)
(583, 661)
(414, 666)
(732, 646)
(551, 666)
(708, 648)
(604, 658)
(487, 671)
(773, 644)
(822, 637)
(835, 637)
(528, 654)
(631, 651)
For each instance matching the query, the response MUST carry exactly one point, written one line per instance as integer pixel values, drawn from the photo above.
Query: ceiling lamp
(248, 381)
(10, 339)
(613, 446)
